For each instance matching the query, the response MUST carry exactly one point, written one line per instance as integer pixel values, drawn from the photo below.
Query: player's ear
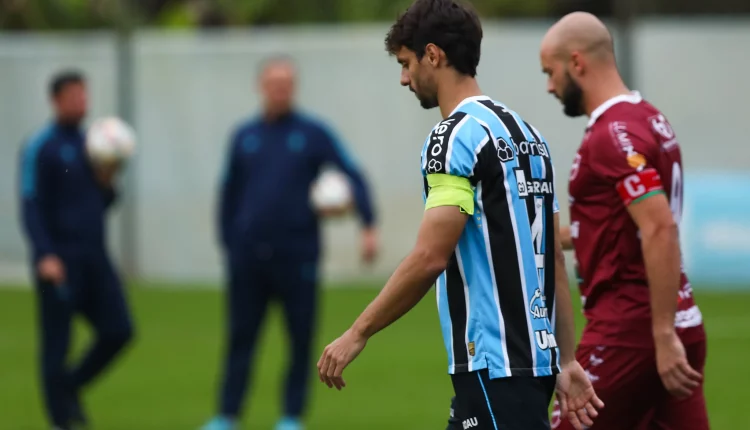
(577, 62)
(432, 54)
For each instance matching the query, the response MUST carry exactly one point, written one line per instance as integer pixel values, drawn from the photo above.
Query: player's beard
(426, 96)
(572, 97)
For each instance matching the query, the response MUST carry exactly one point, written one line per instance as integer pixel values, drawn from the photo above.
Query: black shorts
(515, 403)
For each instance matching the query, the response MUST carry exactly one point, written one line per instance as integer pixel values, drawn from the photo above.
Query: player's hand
(578, 401)
(51, 269)
(369, 244)
(337, 356)
(106, 173)
(678, 377)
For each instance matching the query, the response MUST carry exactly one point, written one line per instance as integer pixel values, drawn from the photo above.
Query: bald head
(579, 32)
(277, 84)
(578, 57)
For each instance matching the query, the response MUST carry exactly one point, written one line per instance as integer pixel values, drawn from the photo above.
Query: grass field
(167, 380)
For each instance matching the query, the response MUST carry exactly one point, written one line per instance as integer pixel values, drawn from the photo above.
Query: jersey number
(537, 236)
(675, 198)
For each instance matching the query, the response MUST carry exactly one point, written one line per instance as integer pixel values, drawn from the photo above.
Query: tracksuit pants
(93, 290)
(253, 284)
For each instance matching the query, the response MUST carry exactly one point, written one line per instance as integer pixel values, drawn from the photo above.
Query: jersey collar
(634, 98)
(469, 100)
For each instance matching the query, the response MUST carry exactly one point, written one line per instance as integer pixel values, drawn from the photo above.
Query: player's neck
(450, 97)
(604, 88)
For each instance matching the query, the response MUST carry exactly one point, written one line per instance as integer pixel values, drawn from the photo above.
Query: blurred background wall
(184, 74)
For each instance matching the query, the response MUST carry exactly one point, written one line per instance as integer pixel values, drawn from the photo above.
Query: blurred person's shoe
(220, 423)
(289, 423)
(78, 418)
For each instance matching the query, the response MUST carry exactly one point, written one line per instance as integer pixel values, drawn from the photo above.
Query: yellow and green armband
(450, 190)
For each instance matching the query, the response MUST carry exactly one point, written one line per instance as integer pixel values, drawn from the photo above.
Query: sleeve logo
(636, 161)
(434, 166)
(661, 126)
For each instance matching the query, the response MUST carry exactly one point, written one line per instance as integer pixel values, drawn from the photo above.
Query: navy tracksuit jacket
(63, 210)
(272, 240)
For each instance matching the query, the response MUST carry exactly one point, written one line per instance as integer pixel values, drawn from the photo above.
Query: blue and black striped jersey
(496, 297)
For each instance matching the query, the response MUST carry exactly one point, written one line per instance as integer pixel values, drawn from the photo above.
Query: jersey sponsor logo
(575, 167)
(504, 151)
(532, 187)
(438, 137)
(471, 422)
(545, 340)
(575, 229)
(620, 132)
(531, 148)
(436, 149)
(638, 185)
(538, 305)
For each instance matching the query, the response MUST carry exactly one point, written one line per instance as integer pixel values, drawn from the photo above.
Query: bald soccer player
(643, 346)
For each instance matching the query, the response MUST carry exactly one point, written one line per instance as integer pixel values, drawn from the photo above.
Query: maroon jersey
(629, 152)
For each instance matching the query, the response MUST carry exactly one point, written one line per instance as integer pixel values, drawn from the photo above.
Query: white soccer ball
(331, 193)
(109, 140)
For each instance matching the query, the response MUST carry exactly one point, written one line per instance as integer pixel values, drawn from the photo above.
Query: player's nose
(405, 80)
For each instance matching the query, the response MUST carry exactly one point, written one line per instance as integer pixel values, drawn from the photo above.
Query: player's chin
(572, 112)
(428, 103)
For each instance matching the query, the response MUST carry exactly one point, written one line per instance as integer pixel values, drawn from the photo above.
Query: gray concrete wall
(191, 88)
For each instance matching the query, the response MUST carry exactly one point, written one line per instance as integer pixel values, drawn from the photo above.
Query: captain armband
(640, 185)
(450, 190)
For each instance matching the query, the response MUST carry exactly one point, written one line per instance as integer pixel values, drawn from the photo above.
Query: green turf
(167, 380)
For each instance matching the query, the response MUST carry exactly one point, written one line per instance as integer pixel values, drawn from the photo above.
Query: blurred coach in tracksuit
(64, 202)
(271, 236)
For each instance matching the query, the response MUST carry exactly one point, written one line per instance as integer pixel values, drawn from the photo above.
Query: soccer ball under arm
(331, 194)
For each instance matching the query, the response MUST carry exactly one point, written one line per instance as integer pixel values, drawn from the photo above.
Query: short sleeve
(628, 158)
(451, 147)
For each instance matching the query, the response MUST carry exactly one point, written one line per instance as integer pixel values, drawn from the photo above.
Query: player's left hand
(337, 356)
(369, 244)
(105, 173)
(578, 400)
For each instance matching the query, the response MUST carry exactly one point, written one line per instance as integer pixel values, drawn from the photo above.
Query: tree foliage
(95, 14)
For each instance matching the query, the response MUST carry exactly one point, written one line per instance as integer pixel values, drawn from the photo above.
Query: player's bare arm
(438, 236)
(661, 254)
(577, 398)
(566, 240)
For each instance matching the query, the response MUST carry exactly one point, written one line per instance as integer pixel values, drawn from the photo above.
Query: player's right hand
(51, 269)
(678, 377)
(337, 356)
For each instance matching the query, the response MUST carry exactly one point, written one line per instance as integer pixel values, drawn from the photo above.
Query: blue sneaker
(289, 423)
(220, 423)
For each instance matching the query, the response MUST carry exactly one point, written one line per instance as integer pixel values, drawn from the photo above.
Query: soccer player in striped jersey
(644, 344)
(489, 237)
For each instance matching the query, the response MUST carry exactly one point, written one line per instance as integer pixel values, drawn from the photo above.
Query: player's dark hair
(64, 78)
(452, 25)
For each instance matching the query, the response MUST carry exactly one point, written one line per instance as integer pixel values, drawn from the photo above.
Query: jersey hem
(503, 372)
